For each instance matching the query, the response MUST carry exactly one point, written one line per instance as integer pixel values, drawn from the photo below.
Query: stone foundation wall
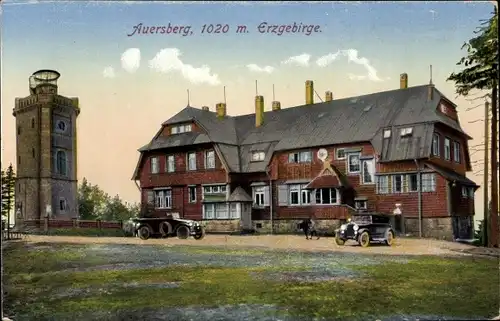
(439, 228)
(291, 226)
(221, 226)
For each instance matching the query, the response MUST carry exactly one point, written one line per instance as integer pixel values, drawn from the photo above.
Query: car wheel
(165, 229)
(182, 232)
(364, 239)
(338, 240)
(200, 235)
(390, 238)
(144, 232)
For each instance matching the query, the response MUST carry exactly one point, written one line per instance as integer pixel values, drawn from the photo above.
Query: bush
(479, 234)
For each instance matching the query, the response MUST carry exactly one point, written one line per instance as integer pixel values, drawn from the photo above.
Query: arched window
(61, 163)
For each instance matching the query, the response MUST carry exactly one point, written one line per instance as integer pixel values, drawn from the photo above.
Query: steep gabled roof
(347, 120)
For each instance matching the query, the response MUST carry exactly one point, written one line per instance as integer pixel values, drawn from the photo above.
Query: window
(32, 122)
(447, 148)
(210, 159)
(61, 163)
(368, 171)
(412, 182)
(62, 205)
(233, 210)
(19, 130)
(181, 129)
(465, 193)
(192, 194)
(360, 204)
(397, 183)
(428, 182)
(215, 189)
(259, 196)
(340, 153)
(406, 131)
(33, 152)
(154, 165)
(456, 152)
(305, 196)
(383, 184)
(221, 211)
(435, 144)
(471, 192)
(258, 156)
(191, 161)
(300, 157)
(61, 126)
(208, 211)
(170, 163)
(353, 164)
(163, 198)
(326, 196)
(19, 160)
(387, 133)
(295, 195)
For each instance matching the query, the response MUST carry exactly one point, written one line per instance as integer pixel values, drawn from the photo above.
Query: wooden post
(493, 223)
(98, 223)
(46, 224)
(486, 203)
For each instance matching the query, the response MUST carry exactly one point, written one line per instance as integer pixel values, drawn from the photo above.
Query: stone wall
(264, 226)
(439, 227)
(221, 226)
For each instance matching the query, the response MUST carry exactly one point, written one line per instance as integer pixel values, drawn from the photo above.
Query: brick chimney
(430, 92)
(309, 92)
(259, 110)
(403, 81)
(276, 105)
(205, 108)
(328, 96)
(220, 109)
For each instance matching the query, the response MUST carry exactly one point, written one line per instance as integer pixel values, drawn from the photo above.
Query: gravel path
(402, 246)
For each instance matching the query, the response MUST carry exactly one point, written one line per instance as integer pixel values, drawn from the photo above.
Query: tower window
(61, 163)
(62, 205)
(19, 160)
(19, 130)
(32, 122)
(61, 126)
(33, 152)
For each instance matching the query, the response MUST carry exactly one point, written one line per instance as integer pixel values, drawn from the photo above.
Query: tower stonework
(46, 151)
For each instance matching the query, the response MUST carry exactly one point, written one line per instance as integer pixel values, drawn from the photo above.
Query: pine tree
(8, 190)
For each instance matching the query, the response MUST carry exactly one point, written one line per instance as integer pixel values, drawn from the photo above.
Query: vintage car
(366, 228)
(168, 226)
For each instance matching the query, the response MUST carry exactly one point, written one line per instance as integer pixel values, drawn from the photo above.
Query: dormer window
(181, 129)
(387, 133)
(258, 156)
(408, 131)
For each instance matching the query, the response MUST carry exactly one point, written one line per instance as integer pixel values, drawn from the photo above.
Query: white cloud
(265, 69)
(131, 59)
(300, 60)
(168, 60)
(108, 72)
(352, 56)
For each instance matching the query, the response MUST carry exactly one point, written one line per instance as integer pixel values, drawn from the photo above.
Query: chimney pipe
(259, 110)
(276, 105)
(403, 81)
(220, 109)
(328, 96)
(205, 108)
(430, 92)
(309, 92)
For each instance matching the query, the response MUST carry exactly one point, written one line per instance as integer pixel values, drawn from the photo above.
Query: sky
(129, 81)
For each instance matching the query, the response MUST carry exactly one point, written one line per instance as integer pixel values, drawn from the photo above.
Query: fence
(48, 224)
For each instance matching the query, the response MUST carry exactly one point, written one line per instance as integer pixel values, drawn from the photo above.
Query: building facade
(400, 152)
(46, 182)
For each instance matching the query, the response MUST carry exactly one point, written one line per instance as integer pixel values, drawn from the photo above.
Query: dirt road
(402, 246)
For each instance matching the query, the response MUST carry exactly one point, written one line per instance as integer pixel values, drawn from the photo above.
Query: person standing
(312, 228)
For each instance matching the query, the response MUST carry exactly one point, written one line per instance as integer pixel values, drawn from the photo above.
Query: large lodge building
(401, 152)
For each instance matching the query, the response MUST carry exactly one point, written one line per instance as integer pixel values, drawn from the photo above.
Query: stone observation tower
(46, 151)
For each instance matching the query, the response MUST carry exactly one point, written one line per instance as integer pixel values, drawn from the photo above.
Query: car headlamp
(355, 227)
(343, 227)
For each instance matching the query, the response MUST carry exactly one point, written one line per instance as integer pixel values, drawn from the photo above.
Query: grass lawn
(37, 280)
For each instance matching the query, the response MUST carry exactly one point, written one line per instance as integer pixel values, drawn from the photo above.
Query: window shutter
(266, 196)
(282, 195)
(150, 197)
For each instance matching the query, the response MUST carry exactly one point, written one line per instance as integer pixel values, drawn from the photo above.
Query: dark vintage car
(168, 226)
(366, 228)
